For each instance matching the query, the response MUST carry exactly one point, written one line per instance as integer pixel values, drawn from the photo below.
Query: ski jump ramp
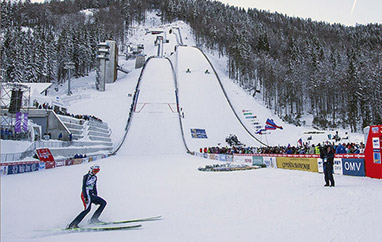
(204, 104)
(155, 127)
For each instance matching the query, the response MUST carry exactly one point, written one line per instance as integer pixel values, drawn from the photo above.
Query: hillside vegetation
(301, 67)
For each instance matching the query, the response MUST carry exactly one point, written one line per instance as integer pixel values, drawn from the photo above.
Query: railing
(177, 104)
(8, 157)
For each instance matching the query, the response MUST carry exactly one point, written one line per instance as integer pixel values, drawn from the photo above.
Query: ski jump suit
(89, 196)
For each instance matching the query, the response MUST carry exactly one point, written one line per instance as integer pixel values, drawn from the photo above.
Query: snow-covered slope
(152, 175)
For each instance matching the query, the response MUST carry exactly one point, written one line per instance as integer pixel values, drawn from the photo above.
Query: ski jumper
(89, 196)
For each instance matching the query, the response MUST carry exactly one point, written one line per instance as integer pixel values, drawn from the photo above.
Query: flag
(18, 123)
(269, 127)
(300, 141)
(25, 122)
(260, 131)
(270, 122)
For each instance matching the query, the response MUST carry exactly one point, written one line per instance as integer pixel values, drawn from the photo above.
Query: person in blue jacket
(89, 195)
(340, 149)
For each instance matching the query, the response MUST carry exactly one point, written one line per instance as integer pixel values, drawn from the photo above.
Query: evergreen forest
(330, 71)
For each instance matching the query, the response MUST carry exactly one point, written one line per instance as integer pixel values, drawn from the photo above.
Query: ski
(131, 221)
(91, 229)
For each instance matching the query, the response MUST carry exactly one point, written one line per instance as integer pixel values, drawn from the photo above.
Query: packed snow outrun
(154, 174)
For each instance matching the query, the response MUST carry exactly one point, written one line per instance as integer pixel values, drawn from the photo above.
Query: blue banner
(42, 166)
(198, 133)
(224, 157)
(22, 168)
(353, 167)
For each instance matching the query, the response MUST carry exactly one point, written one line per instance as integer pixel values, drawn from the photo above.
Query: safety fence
(344, 164)
(12, 168)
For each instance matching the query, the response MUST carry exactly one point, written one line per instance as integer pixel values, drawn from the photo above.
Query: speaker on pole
(16, 101)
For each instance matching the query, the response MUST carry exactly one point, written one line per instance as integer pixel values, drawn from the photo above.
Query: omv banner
(353, 167)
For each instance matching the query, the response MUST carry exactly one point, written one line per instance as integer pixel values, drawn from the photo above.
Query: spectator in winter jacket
(312, 150)
(341, 149)
(327, 155)
(317, 149)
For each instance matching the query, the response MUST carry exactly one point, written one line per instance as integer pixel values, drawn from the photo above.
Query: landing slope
(204, 104)
(155, 127)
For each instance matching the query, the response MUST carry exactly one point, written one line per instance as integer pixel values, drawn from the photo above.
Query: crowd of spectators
(79, 156)
(80, 116)
(9, 134)
(340, 148)
(60, 112)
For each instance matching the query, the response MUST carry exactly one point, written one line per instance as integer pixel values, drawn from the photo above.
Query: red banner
(47, 157)
(373, 151)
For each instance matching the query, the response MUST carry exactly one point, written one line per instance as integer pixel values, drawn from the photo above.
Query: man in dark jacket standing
(327, 154)
(89, 196)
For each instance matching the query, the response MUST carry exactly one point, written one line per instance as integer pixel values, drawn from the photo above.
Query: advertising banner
(198, 134)
(22, 168)
(257, 160)
(4, 170)
(69, 162)
(198, 154)
(353, 167)
(41, 166)
(50, 164)
(270, 162)
(302, 164)
(320, 165)
(44, 154)
(213, 157)
(243, 159)
(337, 166)
(60, 163)
(373, 151)
(377, 158)
(78, 161)
(223, 157)
(227, 158)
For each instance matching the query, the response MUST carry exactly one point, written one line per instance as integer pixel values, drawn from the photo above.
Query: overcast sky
(347, 12)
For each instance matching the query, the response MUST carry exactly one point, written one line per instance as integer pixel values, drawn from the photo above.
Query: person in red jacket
(89, 195)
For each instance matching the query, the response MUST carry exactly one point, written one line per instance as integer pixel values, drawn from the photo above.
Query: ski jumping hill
(201, 116)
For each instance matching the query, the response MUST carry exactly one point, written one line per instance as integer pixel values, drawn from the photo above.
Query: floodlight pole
(69, 66)
(103, 54)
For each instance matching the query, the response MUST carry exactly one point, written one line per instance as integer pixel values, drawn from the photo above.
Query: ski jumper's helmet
(94, 169)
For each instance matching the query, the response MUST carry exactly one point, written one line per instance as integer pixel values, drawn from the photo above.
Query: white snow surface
(152, 174)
